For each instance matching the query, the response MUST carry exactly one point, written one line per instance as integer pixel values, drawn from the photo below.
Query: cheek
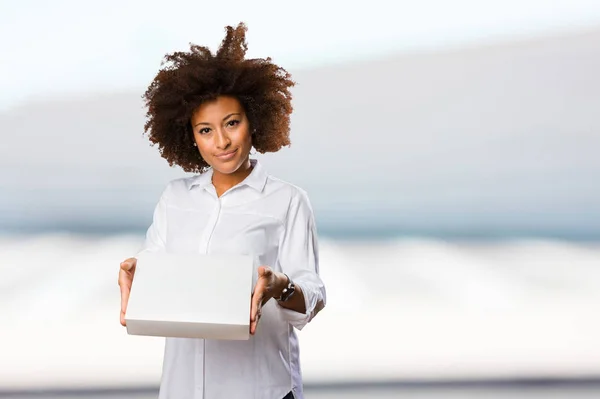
(204, 149)
(243, 137)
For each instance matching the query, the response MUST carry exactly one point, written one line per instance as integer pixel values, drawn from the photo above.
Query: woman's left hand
(269, 283)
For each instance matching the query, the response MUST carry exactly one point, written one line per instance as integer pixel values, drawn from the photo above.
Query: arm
(299, 259)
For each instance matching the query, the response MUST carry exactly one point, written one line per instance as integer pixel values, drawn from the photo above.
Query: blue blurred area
(488, 141)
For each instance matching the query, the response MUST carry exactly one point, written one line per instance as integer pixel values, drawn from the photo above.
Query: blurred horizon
(528, 175)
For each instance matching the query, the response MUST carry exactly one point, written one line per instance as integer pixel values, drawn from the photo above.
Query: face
(222, 134)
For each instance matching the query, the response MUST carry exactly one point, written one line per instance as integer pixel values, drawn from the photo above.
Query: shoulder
(294, 197)
(176, 187)
(291, 191)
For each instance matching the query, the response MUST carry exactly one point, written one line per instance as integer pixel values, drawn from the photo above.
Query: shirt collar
(256, 179)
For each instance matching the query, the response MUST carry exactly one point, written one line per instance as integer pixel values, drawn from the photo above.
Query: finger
(125, 277)
(264, 280)
(128, 264)
(125, 285)
(264, 271)
(257, 297)
(252, 307)
(256, 300)
(127, 268)
(254, 324)
(126, 271)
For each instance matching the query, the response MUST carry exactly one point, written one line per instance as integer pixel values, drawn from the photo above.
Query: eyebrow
(227, 117)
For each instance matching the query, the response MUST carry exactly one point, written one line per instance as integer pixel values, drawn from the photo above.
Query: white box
(191, 296)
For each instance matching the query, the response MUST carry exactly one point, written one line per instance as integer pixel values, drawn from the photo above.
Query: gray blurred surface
(528, 391)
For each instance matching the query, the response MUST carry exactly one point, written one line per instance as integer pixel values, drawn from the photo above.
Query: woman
(206, 112)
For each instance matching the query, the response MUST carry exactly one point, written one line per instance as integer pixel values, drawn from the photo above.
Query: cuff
(313, 301)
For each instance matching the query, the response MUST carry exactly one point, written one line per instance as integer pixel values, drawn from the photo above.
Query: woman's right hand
(126, 273)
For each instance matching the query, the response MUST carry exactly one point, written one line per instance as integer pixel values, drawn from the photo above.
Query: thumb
(264, 271)
(128, 264)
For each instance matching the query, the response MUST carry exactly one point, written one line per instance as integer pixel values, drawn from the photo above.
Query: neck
(224, 182)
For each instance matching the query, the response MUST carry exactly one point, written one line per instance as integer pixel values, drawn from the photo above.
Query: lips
(226, 155)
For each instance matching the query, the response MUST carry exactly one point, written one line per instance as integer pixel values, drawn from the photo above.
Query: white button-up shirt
(271, 220)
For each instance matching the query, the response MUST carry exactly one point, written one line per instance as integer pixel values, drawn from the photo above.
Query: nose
(222, 140)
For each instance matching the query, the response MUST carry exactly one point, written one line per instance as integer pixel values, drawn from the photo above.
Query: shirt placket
(204, 248)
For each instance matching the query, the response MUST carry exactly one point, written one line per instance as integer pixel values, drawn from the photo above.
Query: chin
(227, 167)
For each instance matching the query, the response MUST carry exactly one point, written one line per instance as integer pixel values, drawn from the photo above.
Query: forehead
(217, 108)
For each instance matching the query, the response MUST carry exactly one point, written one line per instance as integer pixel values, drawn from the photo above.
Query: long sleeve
(156, 234)
(299, 259)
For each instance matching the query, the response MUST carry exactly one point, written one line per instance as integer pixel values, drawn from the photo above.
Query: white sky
(65, 46)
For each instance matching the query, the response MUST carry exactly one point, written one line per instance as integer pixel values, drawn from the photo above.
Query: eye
(204, 130)
(233, 122)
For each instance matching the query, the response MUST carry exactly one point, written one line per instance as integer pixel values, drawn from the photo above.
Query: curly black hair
(188, 78)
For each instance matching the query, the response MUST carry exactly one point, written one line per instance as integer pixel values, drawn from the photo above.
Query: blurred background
(449, 148)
